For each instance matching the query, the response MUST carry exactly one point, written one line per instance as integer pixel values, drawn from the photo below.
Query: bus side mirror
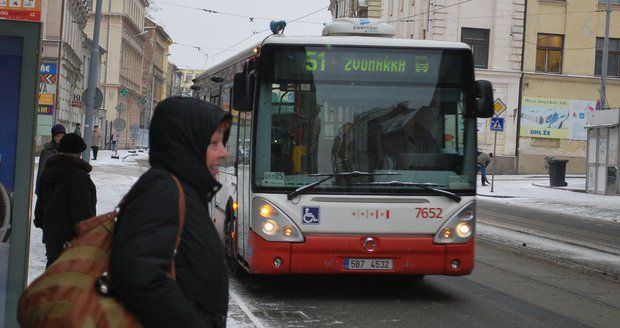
(243, 91)
(484, 101)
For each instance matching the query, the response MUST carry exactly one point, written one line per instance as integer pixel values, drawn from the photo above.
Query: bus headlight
(272, 224)
(270, 227)
(463, 229)
(460, 228)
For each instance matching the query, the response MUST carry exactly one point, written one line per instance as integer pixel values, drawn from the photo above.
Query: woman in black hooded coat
(185, 134)
(66, 196)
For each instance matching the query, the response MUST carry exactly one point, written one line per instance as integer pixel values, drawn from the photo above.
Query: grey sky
(216, 32)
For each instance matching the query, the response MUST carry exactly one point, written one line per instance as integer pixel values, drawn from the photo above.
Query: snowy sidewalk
(533, 191)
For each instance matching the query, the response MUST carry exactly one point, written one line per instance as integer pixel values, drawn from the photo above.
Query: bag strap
(181, 224)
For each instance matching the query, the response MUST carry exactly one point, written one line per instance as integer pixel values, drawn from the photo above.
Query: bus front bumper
(327, 254)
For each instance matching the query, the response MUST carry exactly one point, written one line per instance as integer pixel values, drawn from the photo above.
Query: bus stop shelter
(603, 156)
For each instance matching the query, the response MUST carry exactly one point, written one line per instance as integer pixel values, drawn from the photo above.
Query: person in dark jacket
(67, 196)
(49, 149)
(78, 129)
(482, 161)
(187, 139)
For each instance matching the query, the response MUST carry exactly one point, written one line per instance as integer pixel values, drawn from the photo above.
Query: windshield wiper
(425, 186)
(353, 174)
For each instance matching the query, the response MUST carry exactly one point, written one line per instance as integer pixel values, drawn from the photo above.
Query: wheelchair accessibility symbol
(310, 215)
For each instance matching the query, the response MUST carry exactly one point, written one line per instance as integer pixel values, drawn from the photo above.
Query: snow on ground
(114, 177)
(533, 191)
(589, 258)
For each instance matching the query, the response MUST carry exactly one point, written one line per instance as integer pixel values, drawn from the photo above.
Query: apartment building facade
(355, 8)
(64, 62)
(155, 68)
(187, 75)
(122, 34)
(494, 30)
(562, 79)
(173, 80)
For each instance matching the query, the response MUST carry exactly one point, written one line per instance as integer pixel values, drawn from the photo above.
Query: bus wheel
(230, 241)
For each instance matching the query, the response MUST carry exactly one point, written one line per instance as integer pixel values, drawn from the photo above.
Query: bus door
(243, 180)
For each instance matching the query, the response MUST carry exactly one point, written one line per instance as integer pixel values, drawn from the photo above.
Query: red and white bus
(351, 152)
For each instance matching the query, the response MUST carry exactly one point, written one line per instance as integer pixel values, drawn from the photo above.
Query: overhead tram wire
(211, 11)
(429, 11)
(266, 30)
(404, 20)
(195, 46)
(584, 48)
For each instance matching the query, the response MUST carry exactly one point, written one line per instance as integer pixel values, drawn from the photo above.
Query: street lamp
(137, 35)
(196, 88)
(218, 80)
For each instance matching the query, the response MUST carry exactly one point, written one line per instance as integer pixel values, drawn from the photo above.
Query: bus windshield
(326, 110)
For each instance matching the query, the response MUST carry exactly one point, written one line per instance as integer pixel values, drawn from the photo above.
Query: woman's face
(216, 151)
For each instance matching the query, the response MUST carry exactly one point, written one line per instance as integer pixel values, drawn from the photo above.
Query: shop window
(549, 50)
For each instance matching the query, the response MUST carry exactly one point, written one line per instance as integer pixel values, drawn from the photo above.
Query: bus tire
(231, 255)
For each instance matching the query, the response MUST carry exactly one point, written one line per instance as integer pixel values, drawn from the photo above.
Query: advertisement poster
(10, 75)
(47, 97)
(22, 10)
(555, 118)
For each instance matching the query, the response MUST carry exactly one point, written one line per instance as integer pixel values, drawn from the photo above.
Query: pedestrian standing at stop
(114, 143)
(67, 196)
(49, 149)
(483, 159)
(96, 141)
(78, 129)
(187, 139)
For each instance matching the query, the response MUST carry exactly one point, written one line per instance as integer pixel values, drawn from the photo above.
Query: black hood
(180, 132)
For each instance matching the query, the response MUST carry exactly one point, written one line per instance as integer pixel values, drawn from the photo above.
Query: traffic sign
(119, 124)
(98, 97)
(498, 106)
(497, 124)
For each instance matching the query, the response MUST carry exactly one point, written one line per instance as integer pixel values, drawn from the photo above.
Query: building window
(613, 67)
(189, 77)
(549, 53)
(613, 2)
(478, 40)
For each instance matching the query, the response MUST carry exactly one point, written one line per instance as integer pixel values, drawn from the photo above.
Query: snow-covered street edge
(573, 256)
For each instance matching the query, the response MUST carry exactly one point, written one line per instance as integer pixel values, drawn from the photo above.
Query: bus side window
(233, 140)
(245, 138)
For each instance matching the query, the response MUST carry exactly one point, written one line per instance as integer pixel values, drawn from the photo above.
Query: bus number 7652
(428, 213)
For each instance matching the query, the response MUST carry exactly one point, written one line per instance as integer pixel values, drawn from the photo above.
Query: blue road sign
(497, 124)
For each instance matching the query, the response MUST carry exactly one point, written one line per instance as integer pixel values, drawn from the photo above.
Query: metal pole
(93, 78)
(148, 121)
(605, 64)
(494, 156)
